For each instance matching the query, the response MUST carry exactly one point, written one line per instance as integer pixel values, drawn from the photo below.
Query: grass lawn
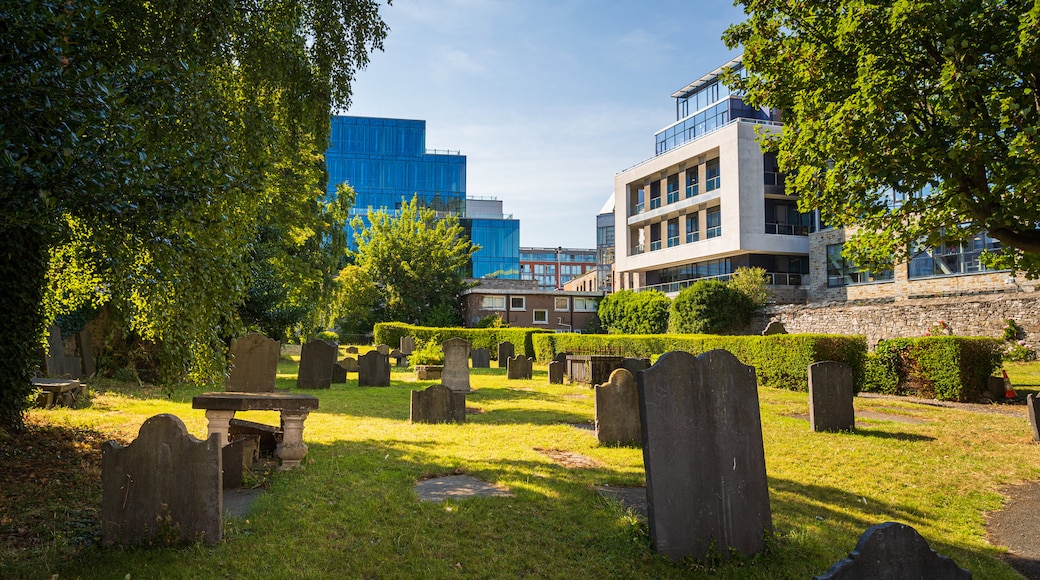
(351, 511)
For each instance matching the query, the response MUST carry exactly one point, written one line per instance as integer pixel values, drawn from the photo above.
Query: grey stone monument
(1032, 405)
(774, 327)
(373, 369)
(400, 359)
(481, 358)
(54, 356)
(438, 404)
(893, 550)
(455, 375)
(165, 481)
(519, 367)
(254, 364)
(407, 345)
(617, 410)
(86, 352)
(830, 397)
(703, 454)
(555, 372)
(316, 360)
(505, 350)
(634, 365)
(383, 349)
(349, 364)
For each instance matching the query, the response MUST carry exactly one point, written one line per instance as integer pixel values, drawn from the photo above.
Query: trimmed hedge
(780, 360)
(390, 333)
(948, 368)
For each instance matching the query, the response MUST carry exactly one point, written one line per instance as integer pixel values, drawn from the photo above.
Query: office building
(551, 268)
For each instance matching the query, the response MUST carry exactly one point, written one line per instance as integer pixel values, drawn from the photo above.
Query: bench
(221, 408)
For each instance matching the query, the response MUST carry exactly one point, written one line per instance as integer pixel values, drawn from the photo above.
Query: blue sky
(549, 99)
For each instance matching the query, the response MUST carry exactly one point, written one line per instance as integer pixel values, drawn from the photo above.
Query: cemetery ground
(352, 510)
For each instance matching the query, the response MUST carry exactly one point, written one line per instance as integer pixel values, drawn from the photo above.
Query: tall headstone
(86, 352)
(481, 358)
(505, 350)
(373, 369)
(164, 482)
(383, 349)
(254, 364)
(455, 375)
(54, 357)
(316, 360)
(634, 365)
(519, 367)
(1033, 408)
(407, 345)
(830, 397)
(438, 404)
(703, 454)
(555, 372)
(617, 410)
(894, 550)
(561, 357)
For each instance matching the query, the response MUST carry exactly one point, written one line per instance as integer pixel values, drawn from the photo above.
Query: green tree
(710, 307)
(630, 312)
(904, 97)
(753, 283)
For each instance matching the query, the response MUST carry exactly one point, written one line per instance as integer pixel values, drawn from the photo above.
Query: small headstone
(438, 404)
(1033, 408)
(383, 349)
(481, 358)
(505, 350)
(774, 327)
(407, 345)
(236, 458)
(617, 410)
(519, 367)
(555, 372)
(72, 367)
(349, 364)
(455, 375)
(86, 352)
(634, 365)
(702, 450)
(894, 550)
(316, 359)
(351, 350)
(830, 397)
(339, 373)
(400, 359)
(995, 388)
(164, 483)
(373, 369)
(254, 364)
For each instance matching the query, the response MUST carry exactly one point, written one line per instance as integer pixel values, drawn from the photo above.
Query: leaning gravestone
(383, 349)
(519, 367)
(617, 410)
(407, 345)
(349, 364)
(634, 365)
(373, 369)
(830, 397)
(555, 372)
(254, 364)
(505, 350)
(1032, 404)
(481, 358)
(316, 360)
(893, 550)
(351, 350)
(438, 404)
(164, 482)
(774, 327)
(455, 375)
(702, 449)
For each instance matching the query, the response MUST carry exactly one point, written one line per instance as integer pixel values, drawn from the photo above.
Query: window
(693, 228)
(584, 304)
(712, 175)
(516, 303)
(655, 236)
(953, 258)
(841, 272)
(691, 181)
(541, 316)
(714, 218)
(493, 303)
(673, 232)
(673, 188)
(561, 304)
(655, 194)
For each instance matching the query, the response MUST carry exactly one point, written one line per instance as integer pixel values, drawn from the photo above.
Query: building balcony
(692, 190)
(654, 246)
(673, 196)
(636, 209)
(713, 183)
(788, 229)
(714, 232)
(692, 237)
(636, 250)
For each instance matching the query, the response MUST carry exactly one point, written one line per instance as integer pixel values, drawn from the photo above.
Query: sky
(547, 99)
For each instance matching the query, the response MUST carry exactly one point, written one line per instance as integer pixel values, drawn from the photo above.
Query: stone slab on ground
(458, 487)
(569, 459)
(239, 502)
(633, 498)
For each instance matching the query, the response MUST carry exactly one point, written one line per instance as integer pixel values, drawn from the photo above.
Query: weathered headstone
(165, 482)
(774, 327)
(561, 357)
(830, 397)
(54, 356)
(339, 373)
(438, 404)
(316, 359)
(894, 550)
(236, 457)
(703, 454)
(254, 364)
(634, 365)
(1033, 408)
(86, 352)
(455, 375)
(481, 358)
(399, 357)
(519, 367)
(617, 410)
(407, 345)
(349, 364)
(350, 350)
(373, 369)
(555, 372)
(505, 350)
(383, 349)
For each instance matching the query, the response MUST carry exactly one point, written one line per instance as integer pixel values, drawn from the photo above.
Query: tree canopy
(915, 120)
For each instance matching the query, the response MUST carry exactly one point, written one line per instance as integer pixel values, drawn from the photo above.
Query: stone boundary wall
(967, 316)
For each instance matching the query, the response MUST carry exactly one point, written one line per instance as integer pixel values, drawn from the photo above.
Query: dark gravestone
(267, 436)
(561, 357)
(407, 345)
(316, 359)
(481, 358)
(349, 364)
(505, 351)
(555, 373)
(518, 367)
(702, 450)
(830, 397)
(373, 369)
(455, 374)
(72, 367)
(438, 404)
(86, 352)
(165, 482)
(400, 359)
(236, 458)
(254, 364)
(893, 550)
(634, 365)
(54, 356)
(617, 410)
(1032, 404)
(383, 349)
(339, 373)
(350, 350)
(774, 327)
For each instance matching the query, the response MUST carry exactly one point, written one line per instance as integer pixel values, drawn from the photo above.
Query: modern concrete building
(551, 268)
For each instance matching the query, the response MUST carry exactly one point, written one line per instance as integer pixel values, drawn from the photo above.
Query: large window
(953, 258)
(673, 188)
(655, 195)
(714, 219)
(561, 304)
(584, 304)
(493, 303)
(693, 228)
(673, 232)
(841, 272)
(783, 217)
(713, 175)
(692, 180)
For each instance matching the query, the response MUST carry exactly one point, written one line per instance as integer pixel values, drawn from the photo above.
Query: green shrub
(492, 321)
(751, 282)
(427, 352)
(390, 333)
(327, 335)
(710, 307)
(948, 368)
(629, 312)
(1012, 330)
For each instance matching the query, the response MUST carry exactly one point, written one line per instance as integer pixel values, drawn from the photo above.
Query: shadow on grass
(864, 432)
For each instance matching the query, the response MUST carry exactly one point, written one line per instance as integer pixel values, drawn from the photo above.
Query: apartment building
(551, 268)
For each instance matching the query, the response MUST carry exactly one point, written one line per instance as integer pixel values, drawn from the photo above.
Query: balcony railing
(788, 229)
(691, 190)
(654, 246)
(673, 196)
(637, 249)
(673, 241)
(713, 183)
(775, 279)
(655, 202)
(637, 209)
(714, 232)
(692, 237)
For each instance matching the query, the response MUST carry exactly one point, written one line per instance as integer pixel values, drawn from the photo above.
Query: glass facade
(841, 272)
(499, 241)
(953, 258)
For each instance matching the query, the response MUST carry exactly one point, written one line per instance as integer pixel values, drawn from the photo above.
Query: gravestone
(617, 410)
(455, 374)
(349, 364)
(86, 352)
(339, 373)
(1033, 408)
(561, 357)
(236, 458)
(774, 327)
(54, 356)
(383, 349)
(519, 367)
(555, 372)
(316, 360)
(164, 482)
(481, 358)
(254, 364)
(830, 397)
(634, 365)
(438, 404)
(407, 345)
(702, 451)
(505, 351)
(373, 369)
(399, 357)
(894, 550)
(351, 350)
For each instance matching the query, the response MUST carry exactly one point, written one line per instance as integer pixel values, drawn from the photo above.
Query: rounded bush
(710, 307)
